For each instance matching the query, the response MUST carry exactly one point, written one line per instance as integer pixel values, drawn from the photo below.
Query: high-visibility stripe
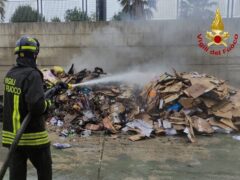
(26, 135)
(26, 142)
(25, 138)
(32, 40)
(18, 123)
(16, 115)
(46, 105)
(13, 116)
(26, 48)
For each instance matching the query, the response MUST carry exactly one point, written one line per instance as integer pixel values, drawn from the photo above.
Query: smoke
(142, 49)
(115, 50)
(108, 48)
(148, 48)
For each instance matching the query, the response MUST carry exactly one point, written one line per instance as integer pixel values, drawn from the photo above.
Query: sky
(52, 8)
(166, 9)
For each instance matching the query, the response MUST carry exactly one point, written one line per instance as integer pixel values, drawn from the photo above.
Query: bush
(76, 15)
(55, 19)
(26, 14)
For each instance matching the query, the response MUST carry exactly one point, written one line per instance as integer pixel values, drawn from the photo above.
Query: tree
(120, 16)
(93, 17)
(76, 15)
(138, 9)
(117, 17)
(196, 9)
(26, 14)
(2, 11)
(55, 19)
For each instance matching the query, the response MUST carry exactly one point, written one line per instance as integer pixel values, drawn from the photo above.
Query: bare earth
(162, 158)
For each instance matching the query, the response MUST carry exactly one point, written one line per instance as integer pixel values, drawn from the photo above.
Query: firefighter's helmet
(58, 70)
(27, 44)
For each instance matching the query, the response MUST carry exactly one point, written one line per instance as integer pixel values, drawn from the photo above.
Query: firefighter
(23, 93)
(58, 71)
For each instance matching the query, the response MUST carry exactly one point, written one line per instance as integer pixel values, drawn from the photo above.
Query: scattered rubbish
(174, 107)
(143, 127)
(136, 137)
(196, 90)
(59, 123)
(201, 125)
(107, 123)
(166, 124)
(188, 104)
(171, 132)
(220, 130)
(86, 133)
(53, 121)
(236, 138)
(61, 146)
(93, 127)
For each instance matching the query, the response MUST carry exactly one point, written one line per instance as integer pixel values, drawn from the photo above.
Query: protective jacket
(23, 93)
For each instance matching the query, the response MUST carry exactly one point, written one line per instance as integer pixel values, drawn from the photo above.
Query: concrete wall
(119, 46)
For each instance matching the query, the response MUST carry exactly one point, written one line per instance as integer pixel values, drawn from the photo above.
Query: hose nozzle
(70, 86)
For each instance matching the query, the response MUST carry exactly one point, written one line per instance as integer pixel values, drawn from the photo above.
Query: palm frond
(138, 9)
(2, 12)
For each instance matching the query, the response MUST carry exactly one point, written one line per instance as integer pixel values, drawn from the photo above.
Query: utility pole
(84, 15)
(83, 6)
(37, 10)
(177, 9)
(86, 9)
(97, 10)
(41, 10)
(228, 5)
(101, 10)
(232, 9)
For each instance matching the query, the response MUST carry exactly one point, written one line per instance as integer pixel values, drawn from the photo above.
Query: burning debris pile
(186, 103)
(192, 103)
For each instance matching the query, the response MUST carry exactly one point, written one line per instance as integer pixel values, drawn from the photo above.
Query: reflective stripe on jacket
(23, 93)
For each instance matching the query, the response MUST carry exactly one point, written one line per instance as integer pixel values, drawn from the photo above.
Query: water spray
(135, 77)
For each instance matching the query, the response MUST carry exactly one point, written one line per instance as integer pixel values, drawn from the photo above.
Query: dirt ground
(162, 158)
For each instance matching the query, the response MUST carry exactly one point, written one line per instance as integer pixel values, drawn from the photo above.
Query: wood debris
(182, 103)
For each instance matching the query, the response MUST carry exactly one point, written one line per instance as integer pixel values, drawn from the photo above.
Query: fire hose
(24, 124)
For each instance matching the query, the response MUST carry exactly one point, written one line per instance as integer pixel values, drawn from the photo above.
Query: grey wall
(120, 46)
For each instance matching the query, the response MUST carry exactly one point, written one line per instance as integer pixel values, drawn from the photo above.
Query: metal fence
(50, 8)
(57, 8)
(166, 9)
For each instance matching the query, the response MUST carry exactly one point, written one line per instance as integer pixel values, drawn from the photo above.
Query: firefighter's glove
(61, 86)
(48, 104)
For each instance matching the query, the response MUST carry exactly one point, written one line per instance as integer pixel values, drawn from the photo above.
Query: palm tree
(138, 9)
(2, 11)
(197, 9)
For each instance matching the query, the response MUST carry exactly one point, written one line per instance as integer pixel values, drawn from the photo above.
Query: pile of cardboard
(183, 103)
(85, 109)
(193, 103)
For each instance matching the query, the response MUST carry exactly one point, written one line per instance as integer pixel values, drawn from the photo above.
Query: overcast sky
(52, 8)
(166, 9)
